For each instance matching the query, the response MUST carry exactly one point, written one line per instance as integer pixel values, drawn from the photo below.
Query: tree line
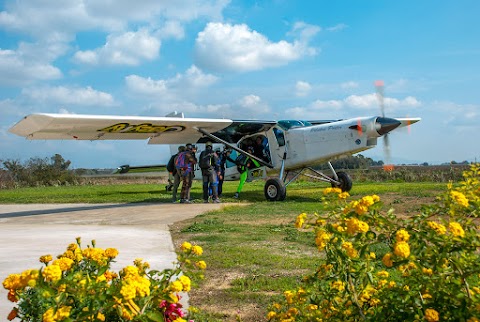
(36, 172)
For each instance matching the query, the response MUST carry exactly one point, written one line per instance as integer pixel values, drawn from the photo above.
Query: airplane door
(277, 143)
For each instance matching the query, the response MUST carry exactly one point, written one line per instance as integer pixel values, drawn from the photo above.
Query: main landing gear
(276, 188)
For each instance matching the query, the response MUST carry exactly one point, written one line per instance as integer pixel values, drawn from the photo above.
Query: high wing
(158, 130)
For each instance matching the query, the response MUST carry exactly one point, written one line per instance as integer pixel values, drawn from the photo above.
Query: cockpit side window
(280, 136)
(290, 124)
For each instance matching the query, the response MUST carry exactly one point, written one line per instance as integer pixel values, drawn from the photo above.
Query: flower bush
(79, 286)
(378, 267)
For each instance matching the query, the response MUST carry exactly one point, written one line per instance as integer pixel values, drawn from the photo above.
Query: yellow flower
(329, 190)
(176, 286)
(427, 271)
(186, 246)
(288, 296)
(459, 198)
(45, 258)
(374, 302)
(64, 263)
(383, 274)
(300, 220)
(12, 282)
(338, 285)
(351, 252)
(354, 225)
(129, 272)
(402, 249)
(186, 282)
(402, 235)
(387, 260)
(456, 229)
(52, 273)
(128, 291)
(343, 195)
(111, 252)
(431, 315)
(439, 228)
(322, 238)
(197, 250)
(271, 315)
(201, 264)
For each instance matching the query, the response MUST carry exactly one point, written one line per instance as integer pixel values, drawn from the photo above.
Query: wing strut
(217, 139)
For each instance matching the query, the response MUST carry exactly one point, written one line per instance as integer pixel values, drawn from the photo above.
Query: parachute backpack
(205, 159)
(241, 162)
(171, 164)
(181, 162)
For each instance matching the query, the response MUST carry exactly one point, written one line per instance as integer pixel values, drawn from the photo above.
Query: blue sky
(242, 59)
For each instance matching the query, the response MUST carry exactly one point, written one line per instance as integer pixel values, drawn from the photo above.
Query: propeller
(380, 88)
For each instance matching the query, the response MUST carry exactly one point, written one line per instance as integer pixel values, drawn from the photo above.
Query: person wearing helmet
(174, 175)
(209, 165)
(186, 172)
(244, 163)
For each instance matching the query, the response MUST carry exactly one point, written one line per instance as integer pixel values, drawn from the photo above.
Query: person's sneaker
(235, 195)
(217, 201)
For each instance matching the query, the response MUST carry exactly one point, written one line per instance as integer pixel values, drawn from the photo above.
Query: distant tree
(38, 171)
(353, 162)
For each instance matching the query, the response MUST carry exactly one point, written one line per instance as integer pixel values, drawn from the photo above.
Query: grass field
(251, 247)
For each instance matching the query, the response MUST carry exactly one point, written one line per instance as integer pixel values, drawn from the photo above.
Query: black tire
(275, 190)
(345, 182)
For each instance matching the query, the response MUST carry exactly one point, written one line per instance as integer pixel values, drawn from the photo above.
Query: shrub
(40, 172)
(79, 286)
(378, 267)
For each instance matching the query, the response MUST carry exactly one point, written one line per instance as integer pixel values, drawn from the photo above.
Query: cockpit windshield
(289, 124)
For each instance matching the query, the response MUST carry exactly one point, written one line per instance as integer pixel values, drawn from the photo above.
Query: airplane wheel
(275, 190)
(345, 182)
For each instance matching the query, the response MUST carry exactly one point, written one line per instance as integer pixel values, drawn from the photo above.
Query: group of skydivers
(212, 164)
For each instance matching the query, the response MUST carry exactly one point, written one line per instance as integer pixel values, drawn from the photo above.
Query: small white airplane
(292, 146)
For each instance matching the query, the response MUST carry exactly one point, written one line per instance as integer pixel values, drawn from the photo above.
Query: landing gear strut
(276, 188)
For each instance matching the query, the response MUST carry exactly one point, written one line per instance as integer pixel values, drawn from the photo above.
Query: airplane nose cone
(385, 125)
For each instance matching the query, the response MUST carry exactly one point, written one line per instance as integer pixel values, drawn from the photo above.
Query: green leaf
(155, 316)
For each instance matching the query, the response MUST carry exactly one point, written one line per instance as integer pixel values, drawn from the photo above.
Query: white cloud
(338, 27)
(304, 31)
(146, 86)
(40, 18)
(62, 95)
(9, 107)
(182, 84)
(457, 117)
(226, 47)
(129, 48)
(171, 29)
(302, 88)
(368, 103)
(328, 105)
(17, 69)
(349, 85)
